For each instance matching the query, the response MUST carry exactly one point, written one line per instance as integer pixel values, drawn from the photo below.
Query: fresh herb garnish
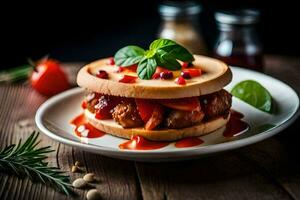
(28, 160)
(162, 52)
(254, 94)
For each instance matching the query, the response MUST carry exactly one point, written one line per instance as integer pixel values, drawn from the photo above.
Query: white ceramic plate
(53, 118)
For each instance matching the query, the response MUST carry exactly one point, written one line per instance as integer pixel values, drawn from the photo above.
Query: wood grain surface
(267, 170)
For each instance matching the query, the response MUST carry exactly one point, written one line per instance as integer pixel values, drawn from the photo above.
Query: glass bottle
(179, 23)
(238, 43)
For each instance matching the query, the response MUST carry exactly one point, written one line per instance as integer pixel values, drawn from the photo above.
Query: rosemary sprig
(29, 160)
(15, 74)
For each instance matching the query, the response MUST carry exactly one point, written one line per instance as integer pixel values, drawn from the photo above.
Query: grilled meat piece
(216, 104)
(127, 115)
(181, 119)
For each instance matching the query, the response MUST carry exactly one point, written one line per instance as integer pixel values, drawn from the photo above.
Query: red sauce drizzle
(235, 125)
(139, 143)
(84, 105)
(188, 142)
(85, 129)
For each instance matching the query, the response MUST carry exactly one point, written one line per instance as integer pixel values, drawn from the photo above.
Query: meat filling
(127, 115)
(216, 104)
(181, 119)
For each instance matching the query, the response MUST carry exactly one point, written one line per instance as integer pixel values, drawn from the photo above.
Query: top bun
(216, 75)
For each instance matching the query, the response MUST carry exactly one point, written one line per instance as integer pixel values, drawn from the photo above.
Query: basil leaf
(146, 68)
(129, 55)
(162, 52)
(254, 94)
(178, 52)
(174, 50)
(165, 60)
(160, 43)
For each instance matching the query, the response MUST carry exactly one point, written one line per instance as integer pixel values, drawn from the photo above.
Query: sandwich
(162, 94)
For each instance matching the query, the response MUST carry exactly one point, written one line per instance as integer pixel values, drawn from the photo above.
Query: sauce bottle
(238, 43)
(179, 23)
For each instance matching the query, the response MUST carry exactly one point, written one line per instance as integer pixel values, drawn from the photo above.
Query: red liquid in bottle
(254, 62)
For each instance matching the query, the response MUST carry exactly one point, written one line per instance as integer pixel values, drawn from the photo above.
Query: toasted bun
(111, 127)
(216, 75)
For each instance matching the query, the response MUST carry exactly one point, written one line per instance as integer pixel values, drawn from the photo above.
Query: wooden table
(267, 170)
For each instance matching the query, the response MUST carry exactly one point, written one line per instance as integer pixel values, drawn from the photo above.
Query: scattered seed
(76, 169)
(25, 123)
(93, 194)
(79, 183)
(77, 163)
(89, 177)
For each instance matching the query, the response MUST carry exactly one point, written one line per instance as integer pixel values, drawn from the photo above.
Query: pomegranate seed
(186, 75)
(102, 74)
(180, 80)
(166, 75)
(156, 76)
(111, 61)
(128, 79)
(186, 64)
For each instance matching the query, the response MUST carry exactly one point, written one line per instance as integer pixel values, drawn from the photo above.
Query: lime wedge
(254, 94)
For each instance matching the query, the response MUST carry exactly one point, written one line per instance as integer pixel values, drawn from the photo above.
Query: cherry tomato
(48, 78)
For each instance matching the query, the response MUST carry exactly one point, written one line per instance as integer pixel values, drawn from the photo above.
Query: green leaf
(254, 94)
(162, 52)
(179, 52)
(163, 59)
(160, 43)
(173, 50)
(146, 68)
(129, 55)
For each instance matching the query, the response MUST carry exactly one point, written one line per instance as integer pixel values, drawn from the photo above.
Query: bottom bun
(113, 128)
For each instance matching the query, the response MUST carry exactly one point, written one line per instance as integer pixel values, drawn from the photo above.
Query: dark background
(86, 30)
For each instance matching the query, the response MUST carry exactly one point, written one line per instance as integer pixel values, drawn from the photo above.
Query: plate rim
(210, 149)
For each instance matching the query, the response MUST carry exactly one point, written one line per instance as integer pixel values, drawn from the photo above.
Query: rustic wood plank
(222, 177)
(18, 103)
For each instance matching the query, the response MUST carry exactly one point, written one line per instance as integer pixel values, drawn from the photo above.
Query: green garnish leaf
(171, 49)
(166, 61)
(146, 68)
(129, 55)
(162, 52)
(254, 94)
(161, 43)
